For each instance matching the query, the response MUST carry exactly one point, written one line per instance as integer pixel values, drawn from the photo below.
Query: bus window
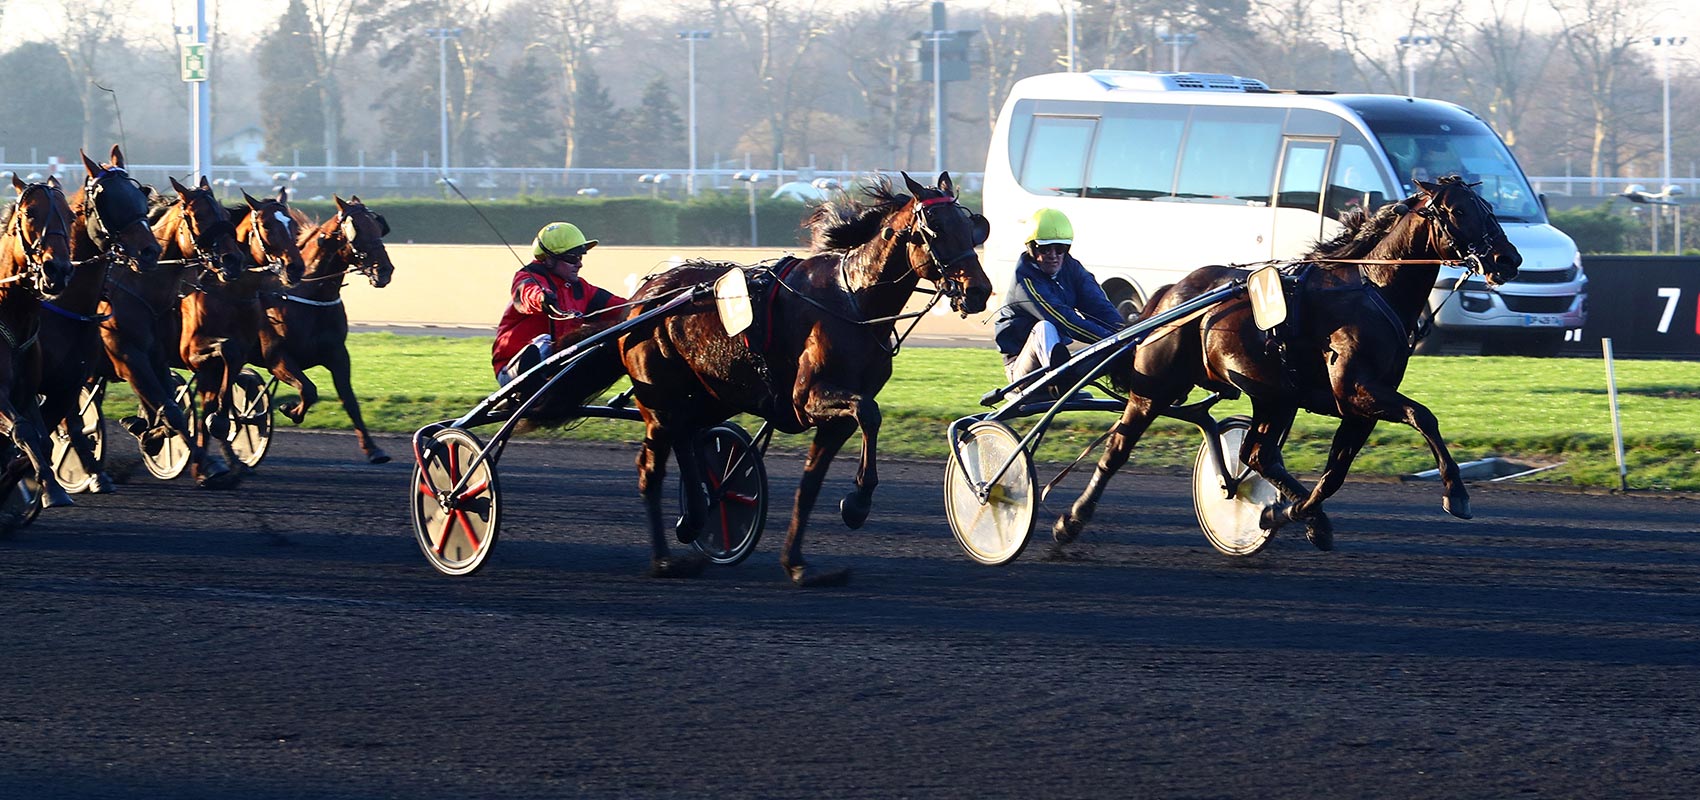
(1356, 182)
(1135, 152)
(1055, 163)
(1231, 153)
(1301, 175)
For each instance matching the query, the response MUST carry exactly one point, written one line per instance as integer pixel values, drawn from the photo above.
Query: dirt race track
(288, 640)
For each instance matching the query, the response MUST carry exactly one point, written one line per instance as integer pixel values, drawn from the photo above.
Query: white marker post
(1616, 422)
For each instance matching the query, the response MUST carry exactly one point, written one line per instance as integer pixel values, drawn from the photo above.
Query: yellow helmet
(557, 238)
(1050, 226)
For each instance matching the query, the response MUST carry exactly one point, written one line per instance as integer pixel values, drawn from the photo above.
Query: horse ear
(354, 198)
(181, 189)
(18, 183)
(341, 207)
(283, 195)
(252, 203)
(53, 181)
(914, 188)
(117, 157)
(204, 184)
(93, 168)
(946, 185)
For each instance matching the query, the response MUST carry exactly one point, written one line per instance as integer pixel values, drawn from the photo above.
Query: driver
(1052, 301)
(546, 301)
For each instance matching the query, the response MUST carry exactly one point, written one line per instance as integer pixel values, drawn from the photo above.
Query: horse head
(206, 230)
(941, 244)
(358, 234)
(41, 223)
(267, 232)
(115, 213)
(1463, 225)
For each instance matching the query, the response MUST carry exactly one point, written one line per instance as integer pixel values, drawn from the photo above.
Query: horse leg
(61, 409)
(1349, 438)
(830, 436)
(341, 375)
(1393, 406)
(28, 435)
(694, 488)
(833, 404)
(1136, 418)
(1271, 422)
(286, 371)
(652, 472)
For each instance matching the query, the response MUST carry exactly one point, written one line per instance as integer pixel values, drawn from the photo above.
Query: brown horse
(1356, 319)
(823, 352)
(109, 227)
(307, 326)
(217, 313)
(139, 333)
(35, 260)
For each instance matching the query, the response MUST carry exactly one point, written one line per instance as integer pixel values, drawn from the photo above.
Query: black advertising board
(1649, 306)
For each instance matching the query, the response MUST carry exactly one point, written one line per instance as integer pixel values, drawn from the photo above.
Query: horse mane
(160, 204)
(844, 223)
(1363, 232)
(7, 212)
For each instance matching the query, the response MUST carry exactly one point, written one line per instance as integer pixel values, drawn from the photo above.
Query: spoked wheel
(996, 530)
(455, 532)
(1232, 524)
(171, 455)
(251, 425)
(737, 490)
(73, 474)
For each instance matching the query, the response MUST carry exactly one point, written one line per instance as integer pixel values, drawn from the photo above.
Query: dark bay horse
(140, 332)
(35, 260)
(823, 353)
(307, 326)
(109, 228)
(217, 312)
(1355, 322)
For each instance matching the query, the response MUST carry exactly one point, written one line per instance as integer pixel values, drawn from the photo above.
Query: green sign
(194, 62)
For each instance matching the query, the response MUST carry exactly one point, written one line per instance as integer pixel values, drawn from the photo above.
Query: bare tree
(571, 29)
(880, 72)
(783, 33)
(91, 28)
(1599, 36)
(1502, 56)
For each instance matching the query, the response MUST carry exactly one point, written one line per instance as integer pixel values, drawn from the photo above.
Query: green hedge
(712, 219)
(1596, 230)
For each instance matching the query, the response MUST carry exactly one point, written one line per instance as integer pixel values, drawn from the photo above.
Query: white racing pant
(1042, 345)
(541, 345)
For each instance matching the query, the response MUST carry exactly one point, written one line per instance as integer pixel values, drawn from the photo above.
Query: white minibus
(1163, 172)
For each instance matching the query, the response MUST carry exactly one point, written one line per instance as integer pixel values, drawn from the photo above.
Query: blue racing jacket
(1072, 301)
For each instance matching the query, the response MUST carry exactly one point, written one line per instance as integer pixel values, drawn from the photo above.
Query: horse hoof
(1274, 515)
(292, 412)
(102, 484)
(1457, 506)
(854, 508)
(377, 456)
(1066, 529)
(685, 566)
(218, 476)
(685, 532)
(57, 498)
(804, 577)
(1320, 532)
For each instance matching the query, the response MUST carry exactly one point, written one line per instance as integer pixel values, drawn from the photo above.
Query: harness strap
(74, 315)
(12, 338)
(307, 302)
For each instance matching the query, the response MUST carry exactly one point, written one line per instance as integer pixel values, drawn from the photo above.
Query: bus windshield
(1430, 148)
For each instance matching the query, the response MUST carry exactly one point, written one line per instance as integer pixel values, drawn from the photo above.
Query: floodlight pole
(443, 35)
(691, 38)
(200, 105)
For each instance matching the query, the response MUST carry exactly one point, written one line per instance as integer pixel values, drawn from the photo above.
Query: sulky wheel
(73, 474)
(996, 530)
(1231, 523)
(170, 456)
(457, 531)
(737, 494)
(251, 427)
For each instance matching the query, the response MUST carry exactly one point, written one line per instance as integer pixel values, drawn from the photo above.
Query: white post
(442, 35)
(1616, 423)
(691, 38)
(937, 38)
(200, 101)
(1068, 8)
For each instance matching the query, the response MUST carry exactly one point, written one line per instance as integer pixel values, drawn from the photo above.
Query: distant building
(244, 145)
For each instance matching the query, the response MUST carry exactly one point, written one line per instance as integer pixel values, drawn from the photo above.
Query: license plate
(1542, 320)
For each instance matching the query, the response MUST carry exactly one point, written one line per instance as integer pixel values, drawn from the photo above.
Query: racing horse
(217, 316)
(824, 351)
(35, 261)
(1356, 319)
(307, 326)
(140, 329)
(108, 227)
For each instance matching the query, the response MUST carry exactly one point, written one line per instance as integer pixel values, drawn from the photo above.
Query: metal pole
(1068, 8)
(442, 35)
(200, 100)
(691, 178)
(1616, 423)
(1410, 76)
(938, 106)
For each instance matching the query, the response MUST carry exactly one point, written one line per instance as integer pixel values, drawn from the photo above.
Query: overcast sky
(39, 19)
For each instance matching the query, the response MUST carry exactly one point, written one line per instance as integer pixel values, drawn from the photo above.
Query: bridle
(272, 262)
(360, 261)
(1473, 252)
(206, 236)
(951, 269)
(35, 255)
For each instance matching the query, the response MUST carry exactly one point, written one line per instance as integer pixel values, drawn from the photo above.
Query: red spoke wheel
(170, 456)
(251, 424)
(455, 531)
(737, 492)
(73, 473)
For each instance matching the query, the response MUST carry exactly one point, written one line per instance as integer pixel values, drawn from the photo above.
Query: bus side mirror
(1543, 198)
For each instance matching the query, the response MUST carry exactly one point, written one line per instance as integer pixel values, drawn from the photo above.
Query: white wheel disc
(1232, 524)
(997, 530)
